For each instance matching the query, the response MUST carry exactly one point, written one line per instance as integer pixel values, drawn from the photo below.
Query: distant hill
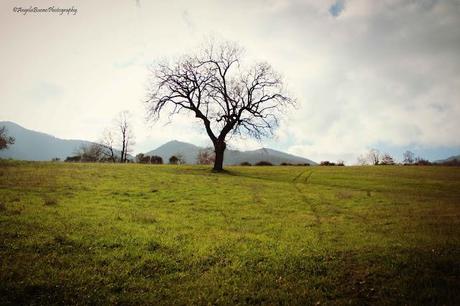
(235, 157)
(231, 157)
(32, 145)
(452, 158)
(188, 151)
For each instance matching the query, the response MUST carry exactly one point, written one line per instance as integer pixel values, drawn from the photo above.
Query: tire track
(311, 206)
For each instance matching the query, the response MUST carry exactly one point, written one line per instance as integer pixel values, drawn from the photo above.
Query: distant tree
(90, 152)
(180, 158)
(215, 87)
(5, 140)
(173, 160)
(55, 159)
(373, 156)
(156, 160)
(147, 159)
(408, 157)
(76, 158)
(362, 160)
(107, 142)
(126, 135)
(387, 159)
(326, 163)
(420, 161)
(340, 163)
(139, 157)
(206, 156)
(245, 164)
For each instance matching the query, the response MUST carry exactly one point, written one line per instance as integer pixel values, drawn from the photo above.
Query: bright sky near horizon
(383, 74)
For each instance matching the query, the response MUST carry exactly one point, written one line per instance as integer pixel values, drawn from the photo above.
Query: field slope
(144, 234)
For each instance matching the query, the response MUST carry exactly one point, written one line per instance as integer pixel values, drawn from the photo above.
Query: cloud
(386, 73)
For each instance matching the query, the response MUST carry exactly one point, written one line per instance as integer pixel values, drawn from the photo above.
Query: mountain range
(231, 157)
(33, 145)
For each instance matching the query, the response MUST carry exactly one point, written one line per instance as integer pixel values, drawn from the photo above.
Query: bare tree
(107, 143)
(92, 152)
(5, 140)
(387, 159)
(205, 156)
(180, 158)
(126, 134)
(362, 160)
(227, 98)
(373, 156)
(408, 157)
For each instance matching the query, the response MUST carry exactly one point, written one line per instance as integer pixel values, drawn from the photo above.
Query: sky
(366, 74)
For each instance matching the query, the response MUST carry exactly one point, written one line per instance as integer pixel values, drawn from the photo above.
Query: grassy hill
(144, 234)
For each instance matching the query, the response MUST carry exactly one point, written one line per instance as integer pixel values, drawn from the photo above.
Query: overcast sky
(383, 74)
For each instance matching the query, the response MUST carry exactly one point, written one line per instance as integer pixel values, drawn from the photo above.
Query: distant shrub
(177, 159)
(339, 163)
(245, 164)
(158, 160)
(264, 163)
(327, 163)
(73, 159)
(173, 160)
(421, 162)
(299, 164)
(55, 159)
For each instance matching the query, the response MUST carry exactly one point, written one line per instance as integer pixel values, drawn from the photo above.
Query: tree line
(114, 145)
(97, 152)
(375, 157)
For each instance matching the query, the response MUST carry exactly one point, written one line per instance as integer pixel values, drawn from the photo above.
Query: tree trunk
(122, 159)
(219, 149)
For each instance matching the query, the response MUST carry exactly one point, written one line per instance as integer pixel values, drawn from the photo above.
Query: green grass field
(145, 234)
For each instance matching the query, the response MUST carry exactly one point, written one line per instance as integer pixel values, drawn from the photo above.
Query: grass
(145, 234)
